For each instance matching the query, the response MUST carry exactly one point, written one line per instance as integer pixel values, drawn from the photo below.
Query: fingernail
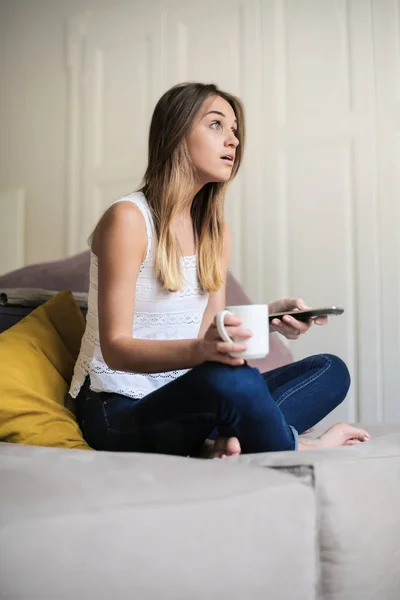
(366, 439)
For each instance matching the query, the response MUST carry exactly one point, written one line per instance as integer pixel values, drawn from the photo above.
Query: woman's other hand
(289, 326)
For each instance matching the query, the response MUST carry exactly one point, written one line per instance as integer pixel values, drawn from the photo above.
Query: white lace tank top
(159, 315)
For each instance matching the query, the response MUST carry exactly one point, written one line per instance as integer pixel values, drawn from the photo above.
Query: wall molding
(75, 38)
(12, 229)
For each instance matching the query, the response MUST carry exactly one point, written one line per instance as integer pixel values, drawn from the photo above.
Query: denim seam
(300, 386)
(281, 370)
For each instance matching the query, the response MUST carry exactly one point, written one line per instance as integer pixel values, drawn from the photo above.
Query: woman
(152, 374)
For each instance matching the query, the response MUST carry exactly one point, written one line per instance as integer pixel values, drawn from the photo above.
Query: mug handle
(220, 324)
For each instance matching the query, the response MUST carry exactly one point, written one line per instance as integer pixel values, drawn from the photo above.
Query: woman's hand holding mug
(236, 334)
(213, 348)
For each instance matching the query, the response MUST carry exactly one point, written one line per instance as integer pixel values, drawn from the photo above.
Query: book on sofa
(34, 297)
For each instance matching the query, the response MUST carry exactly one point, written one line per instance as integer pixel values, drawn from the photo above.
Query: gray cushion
(358, 497)
(86, 525)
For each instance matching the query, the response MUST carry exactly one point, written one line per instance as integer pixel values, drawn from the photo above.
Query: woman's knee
(339, 375)
(339, 367)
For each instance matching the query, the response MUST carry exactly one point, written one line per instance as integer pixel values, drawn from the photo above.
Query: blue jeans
(264, 411)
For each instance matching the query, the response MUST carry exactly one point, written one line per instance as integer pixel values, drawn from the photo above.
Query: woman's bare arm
(120, 243)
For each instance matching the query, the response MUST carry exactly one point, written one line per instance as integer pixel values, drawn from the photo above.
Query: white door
(304, 211)
(131, 54)
(319, 178)
(120, 82)
(386, 31)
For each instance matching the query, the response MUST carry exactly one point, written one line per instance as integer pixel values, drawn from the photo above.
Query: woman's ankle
(308, 444)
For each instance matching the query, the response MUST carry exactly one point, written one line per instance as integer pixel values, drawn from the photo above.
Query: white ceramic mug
(253, 317)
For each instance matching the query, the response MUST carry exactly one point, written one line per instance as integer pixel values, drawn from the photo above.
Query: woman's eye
(217, 125)
(234, 131)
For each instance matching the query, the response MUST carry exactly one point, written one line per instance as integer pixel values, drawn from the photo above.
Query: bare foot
(224, 447)
(340, 434)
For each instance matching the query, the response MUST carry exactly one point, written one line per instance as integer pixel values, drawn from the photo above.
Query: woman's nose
(232, 141)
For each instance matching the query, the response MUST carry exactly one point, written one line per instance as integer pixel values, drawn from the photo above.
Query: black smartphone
(312, 313)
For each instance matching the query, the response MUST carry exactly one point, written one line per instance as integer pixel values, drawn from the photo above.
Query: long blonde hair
(168, 180)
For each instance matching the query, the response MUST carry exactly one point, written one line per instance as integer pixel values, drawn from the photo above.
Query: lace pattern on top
(166, 320)
(159, 315)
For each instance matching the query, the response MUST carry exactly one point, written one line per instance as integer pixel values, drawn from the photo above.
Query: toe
(232, 447)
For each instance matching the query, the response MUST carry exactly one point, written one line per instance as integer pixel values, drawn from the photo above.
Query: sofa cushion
(357, 492)
(37, 357)
(122, 525)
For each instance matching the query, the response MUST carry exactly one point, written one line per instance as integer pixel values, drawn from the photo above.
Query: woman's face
(212, 141)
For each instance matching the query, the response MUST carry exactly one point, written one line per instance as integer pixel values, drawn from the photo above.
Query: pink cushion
(65, 274)
(73, 274)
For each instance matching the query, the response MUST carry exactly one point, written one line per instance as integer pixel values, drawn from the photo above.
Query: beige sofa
(290, 526)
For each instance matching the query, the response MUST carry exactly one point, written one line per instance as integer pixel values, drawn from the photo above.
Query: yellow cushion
(37, 357)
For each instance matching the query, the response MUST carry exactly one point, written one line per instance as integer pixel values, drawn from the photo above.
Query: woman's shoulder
(119, 221)
(124, 212)
(134, 198)
(135, 204)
